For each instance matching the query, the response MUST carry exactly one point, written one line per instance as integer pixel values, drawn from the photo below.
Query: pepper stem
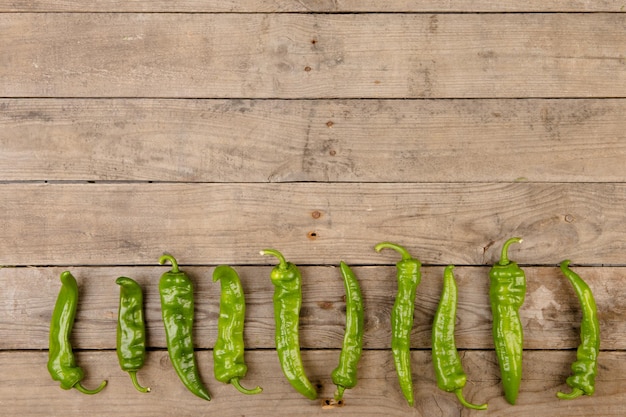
(172, 260)
(235, 382)
(84, 390)
(133, 378)
(576, 392)
(339, 392)
(281, 259)
(504, 255)
(459, 395)
(405, 253)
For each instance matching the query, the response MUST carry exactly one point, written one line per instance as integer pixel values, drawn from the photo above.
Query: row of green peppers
(507, 293)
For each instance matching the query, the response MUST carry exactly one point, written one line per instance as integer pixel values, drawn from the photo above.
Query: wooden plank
(313, 140)
(550, 315)
(326, 6)
(313, 223)
(26, 387)
(316, 56)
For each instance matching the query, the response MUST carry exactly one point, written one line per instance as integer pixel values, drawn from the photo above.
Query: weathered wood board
(312, 55)
(375, 394)
(213, 129)
(305, 6)
(313, 223)
(556, 140)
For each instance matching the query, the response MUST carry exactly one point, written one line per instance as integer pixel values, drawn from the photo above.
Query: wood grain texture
(313, 140)
(326, 6)
(550, 315)
(313, 223)
(312, 56)
(377, 392)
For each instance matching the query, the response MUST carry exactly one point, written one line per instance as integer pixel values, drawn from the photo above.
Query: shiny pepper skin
(446, 358)
(409, 276)
(345, 375)
(228, 353)
(585, 368)
(506, 293)
(131, 330)
(287, 302)
(61, 361)
(177, 308)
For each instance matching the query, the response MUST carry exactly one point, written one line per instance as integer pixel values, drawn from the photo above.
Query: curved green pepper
(446, 358)
(228, 352)
(287, 302)
(131, 330)
(586, 366)
(409, 277)
(61, 361)
(507, 292)
(345, 375)
(177, 308)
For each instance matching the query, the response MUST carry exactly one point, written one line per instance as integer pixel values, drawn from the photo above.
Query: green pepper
(586, 366)
(177, 308)
(345, 375)
(61, 361)
(409, 276)
(228, 352)
(446, 358)
(131, 330)
(506, 293)
(287, 302)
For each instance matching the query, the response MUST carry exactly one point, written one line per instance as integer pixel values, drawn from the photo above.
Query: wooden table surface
(213, 129)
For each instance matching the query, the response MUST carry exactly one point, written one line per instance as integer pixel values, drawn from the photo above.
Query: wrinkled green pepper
(585, 368)
(177, 308)
(345, 375)
(131, 330)
(61, 361)
(228, 353)
(409, 276)
(446, 358)
(507, 292)
(287, 302)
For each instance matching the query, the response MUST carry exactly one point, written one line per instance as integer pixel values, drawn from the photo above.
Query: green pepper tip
(122, 281)
(66, 276)
(219, 271)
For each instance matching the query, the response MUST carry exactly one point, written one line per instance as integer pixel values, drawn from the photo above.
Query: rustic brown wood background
(213, 129)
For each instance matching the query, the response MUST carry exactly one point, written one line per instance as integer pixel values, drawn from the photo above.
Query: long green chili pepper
(345, 375)
(228, 352)
(446, 358)
(61, 361)
(131, 330)
(506, 293)
(287, 302)
(177, 308)
(586, 366)
(409, 276)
